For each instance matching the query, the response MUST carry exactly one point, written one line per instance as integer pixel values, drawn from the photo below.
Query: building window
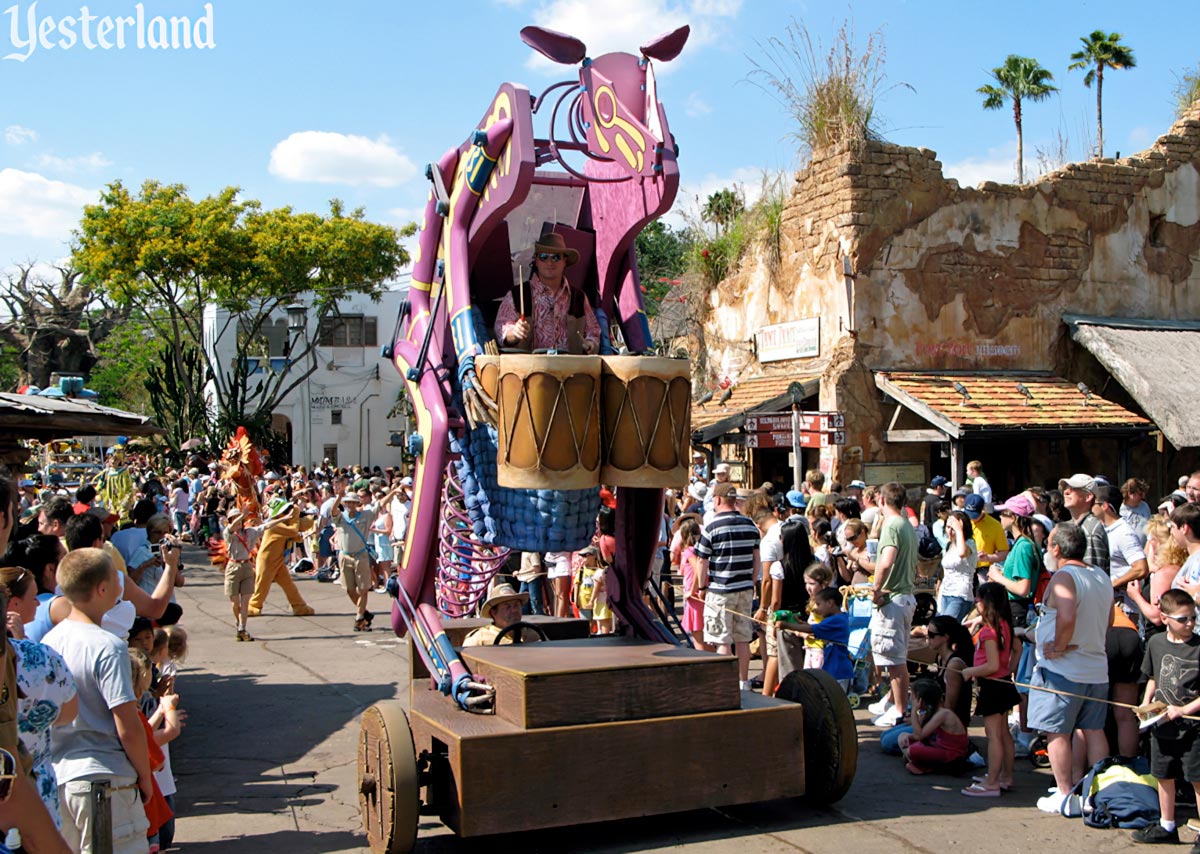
(335, 417)
(348, 330)
(331, 455)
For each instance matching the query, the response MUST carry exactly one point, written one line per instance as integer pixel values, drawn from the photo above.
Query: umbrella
(191, 444)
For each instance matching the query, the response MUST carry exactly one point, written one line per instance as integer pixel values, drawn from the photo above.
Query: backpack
(1117, 792)
(325, 575)
(928, 546)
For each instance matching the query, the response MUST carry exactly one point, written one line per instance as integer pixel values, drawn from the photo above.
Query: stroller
(857, 603)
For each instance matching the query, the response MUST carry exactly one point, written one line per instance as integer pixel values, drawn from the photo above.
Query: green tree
(172, 259)
(1101, 50)
(722, 208)
(1019, 79)
(661, 254)
(122, 367)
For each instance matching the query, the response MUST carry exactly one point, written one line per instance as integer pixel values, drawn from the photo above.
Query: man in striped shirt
(729, 568)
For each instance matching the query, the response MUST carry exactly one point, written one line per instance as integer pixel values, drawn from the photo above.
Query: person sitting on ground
(503, 608)
(547, 312)
(938, 740)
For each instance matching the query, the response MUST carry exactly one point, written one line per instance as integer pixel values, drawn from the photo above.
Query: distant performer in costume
(548, 312)
(286, 524)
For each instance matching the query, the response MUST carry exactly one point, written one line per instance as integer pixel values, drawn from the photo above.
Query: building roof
(997, 404)
(27, 416)
(1149, 358)
(763, 394)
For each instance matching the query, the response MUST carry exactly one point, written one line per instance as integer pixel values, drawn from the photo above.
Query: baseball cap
(938, 481)
(1018, 504)
(406, 481)
(1084, 482)
(795, 499)
(743, 494)
(858, 484)
(724, 490)
(103, 514)
(974, 506)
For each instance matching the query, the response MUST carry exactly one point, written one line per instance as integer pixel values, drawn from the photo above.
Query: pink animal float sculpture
(624, 411)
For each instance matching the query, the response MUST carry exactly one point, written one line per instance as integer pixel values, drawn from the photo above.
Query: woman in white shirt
(955, 596)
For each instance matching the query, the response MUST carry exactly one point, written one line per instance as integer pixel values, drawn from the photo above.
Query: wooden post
(958, 466)
(797, 467)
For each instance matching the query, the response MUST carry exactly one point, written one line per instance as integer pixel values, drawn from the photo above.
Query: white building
(346, 410)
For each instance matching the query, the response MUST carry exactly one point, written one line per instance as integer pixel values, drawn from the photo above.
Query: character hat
(553, 242)
(280, 507)
(500, 593)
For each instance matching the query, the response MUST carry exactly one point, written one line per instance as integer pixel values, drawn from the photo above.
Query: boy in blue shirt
(834, 628)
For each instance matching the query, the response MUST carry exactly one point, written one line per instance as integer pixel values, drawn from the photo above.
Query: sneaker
(1156, 834)
(239, 637)
(888, 719)
(882, 705)
(745, 685)
(1194, 825)
(1052, 803)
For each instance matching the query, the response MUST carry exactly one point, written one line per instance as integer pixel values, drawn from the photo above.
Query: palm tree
(1101, 50)
(1021, 79)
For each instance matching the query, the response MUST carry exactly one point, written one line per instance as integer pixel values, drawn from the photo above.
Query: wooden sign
(809, 422)
(783, 439)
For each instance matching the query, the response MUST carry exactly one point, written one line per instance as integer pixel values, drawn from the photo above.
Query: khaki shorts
(129, 822)
(891, 625)
(721, 625)
(356, 572)
(771, 631)
(239, 578)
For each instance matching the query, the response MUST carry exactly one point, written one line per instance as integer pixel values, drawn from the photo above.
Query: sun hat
(234, 515)
(1018, 504)
(698, 491)
(352, 497)
(722, 468)
(500, 593)
(553, 242)
(974, 506)
(279, 507)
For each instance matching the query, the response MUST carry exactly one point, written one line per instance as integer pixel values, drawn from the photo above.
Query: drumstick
(521, 288)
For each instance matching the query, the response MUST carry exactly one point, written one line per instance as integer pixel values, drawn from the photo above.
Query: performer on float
(547, 312)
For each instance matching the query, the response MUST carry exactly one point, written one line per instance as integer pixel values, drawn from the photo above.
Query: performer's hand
(517, 331)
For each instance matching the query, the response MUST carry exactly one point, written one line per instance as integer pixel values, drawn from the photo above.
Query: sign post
(797, 469)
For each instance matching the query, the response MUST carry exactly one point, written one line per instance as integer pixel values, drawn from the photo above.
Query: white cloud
(695, 106)
(70, 165)
(32, 205)
(335, 158)
(403, 216)
(17, 135)
(627, 24)
(999, 165)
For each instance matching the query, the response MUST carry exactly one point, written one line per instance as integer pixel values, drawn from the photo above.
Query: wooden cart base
(603, 729)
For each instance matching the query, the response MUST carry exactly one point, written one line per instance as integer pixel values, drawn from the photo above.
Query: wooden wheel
(830, 734)
(388, 784)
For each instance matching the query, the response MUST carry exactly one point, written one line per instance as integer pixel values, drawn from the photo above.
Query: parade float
(510, 450)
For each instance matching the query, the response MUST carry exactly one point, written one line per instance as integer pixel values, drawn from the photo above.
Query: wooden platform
(596, 680)
(502, 778)
(556, 628)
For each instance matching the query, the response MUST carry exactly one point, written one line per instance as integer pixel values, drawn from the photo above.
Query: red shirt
(988, 633)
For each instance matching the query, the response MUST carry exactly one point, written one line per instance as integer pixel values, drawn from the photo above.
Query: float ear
(667, 46)
(558, 47)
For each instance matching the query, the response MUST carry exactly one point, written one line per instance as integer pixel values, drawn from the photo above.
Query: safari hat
(352, 497)
(553, 242)
(500, 593)
(280, 507)
(234, 515)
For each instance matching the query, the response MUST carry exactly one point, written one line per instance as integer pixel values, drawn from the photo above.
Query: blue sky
(300, 101)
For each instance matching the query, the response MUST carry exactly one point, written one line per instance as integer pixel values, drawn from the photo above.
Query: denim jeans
(536, 603)
(954, 606)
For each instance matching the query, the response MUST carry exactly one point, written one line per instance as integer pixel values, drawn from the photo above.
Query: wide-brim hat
(352, 497)
(553, 242)
(281, 508)
(234, 515)
(500, 593)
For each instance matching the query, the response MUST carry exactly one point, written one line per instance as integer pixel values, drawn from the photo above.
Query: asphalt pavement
(267, 762)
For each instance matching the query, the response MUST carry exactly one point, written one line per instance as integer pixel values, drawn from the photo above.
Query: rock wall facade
(943, 277)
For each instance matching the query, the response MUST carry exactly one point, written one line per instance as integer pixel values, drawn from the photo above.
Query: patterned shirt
(47, 684)
(548, 317)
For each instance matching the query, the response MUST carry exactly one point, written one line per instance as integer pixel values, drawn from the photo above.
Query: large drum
(646, 407)
(548, 420)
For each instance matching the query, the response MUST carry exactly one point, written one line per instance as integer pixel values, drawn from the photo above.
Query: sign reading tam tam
(798, 339)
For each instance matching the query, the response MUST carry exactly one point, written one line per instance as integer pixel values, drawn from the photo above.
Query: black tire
(830, 734)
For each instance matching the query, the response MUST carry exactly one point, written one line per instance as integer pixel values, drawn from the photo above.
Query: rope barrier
(1141, 711)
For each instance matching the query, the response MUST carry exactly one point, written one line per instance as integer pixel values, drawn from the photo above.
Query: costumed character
(242, 468)
(286, 524)
(546, 311)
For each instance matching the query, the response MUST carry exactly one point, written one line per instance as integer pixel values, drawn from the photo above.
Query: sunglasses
(549, 256)
(1191, 619)
(929, 634)
(8, 774)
